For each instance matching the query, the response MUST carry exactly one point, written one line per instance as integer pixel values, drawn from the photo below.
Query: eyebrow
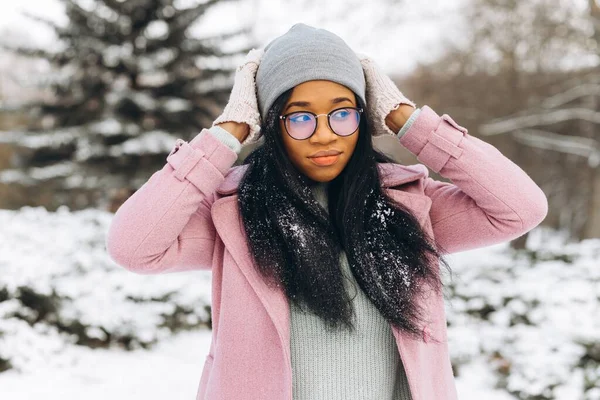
(306, 103)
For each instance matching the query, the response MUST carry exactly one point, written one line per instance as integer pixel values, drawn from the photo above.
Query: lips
(325, 157)
(325, 153)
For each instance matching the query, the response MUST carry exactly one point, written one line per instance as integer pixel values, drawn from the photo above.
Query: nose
(323, 134)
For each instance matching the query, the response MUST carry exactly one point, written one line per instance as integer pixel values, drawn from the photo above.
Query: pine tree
(128, 81)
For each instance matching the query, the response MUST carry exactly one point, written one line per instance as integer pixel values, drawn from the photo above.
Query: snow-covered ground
(171, 371)
(521, 325)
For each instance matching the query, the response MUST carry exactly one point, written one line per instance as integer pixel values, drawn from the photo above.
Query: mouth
(324, 153)
(324, 161)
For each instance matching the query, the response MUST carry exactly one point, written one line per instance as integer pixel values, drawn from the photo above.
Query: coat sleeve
(490, 199)
(166, 225)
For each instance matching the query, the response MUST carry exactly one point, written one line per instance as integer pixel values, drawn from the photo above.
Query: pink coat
(185, 218)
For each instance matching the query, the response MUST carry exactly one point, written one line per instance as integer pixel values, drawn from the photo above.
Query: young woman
(325, 254)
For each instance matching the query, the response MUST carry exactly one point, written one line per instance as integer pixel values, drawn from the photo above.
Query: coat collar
(391, 175)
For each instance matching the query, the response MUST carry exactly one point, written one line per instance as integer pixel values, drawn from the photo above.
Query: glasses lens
(300, 125)
(345, 121)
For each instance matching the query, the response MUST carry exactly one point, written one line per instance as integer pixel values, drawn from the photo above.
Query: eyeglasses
(301, 125)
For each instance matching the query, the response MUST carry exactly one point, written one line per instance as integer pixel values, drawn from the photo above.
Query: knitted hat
(305, 53)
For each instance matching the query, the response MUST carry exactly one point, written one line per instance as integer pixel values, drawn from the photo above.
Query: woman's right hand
(241, 116)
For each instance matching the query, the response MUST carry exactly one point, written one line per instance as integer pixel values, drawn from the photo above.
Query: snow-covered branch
(511, 124)
(571, 94)
(553, 141)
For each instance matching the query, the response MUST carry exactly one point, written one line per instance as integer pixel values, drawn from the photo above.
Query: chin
(323, 174)
(323, 180)
(316, 173)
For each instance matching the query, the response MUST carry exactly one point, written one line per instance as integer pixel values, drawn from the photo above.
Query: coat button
(178, 144)
(426, 334)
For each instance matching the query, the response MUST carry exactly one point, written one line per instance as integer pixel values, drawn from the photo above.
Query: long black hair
(297, 246)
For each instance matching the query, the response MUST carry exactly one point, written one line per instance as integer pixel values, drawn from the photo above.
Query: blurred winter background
(93, 95)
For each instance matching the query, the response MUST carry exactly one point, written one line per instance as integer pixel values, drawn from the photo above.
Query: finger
(254, 55)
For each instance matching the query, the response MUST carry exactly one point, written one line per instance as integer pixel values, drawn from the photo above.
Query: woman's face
(319, 97)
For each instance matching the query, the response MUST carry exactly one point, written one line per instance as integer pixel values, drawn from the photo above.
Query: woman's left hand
(387, 105)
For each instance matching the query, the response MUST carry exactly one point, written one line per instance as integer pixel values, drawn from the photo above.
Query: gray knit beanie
(305, 53)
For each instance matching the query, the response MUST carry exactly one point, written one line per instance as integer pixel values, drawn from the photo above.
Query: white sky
(395, 46)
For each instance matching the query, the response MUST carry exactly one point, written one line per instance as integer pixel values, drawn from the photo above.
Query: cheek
(351, 145)
(354, 140)
(292, 147)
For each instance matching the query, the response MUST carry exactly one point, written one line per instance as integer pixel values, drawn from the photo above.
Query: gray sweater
(364, 364)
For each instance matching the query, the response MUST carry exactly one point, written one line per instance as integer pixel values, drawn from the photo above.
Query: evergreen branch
(118, 6)
(85, 22)
(30, 52)
(51, 24)
(74, 9)
(197, 47)
(184, 18)
(65, 33)
(211, 45)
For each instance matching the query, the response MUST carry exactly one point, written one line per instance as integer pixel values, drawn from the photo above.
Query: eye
(341, 114)
(299, 118)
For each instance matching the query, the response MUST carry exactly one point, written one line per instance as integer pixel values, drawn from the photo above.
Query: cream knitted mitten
(243, 105)
(382, 94)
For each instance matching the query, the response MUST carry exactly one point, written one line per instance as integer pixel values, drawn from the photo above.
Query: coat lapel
(228, 223)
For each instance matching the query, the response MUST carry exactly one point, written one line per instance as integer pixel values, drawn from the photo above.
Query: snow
(157, 29)
(114, 53)
(170, 371)
(108, 127)
(155, 142)
(541, 316)
(382, 211)
(521, 324)
(174, 105)
(53, 139)
(58, 261)
(152, 61)
(35, 174)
